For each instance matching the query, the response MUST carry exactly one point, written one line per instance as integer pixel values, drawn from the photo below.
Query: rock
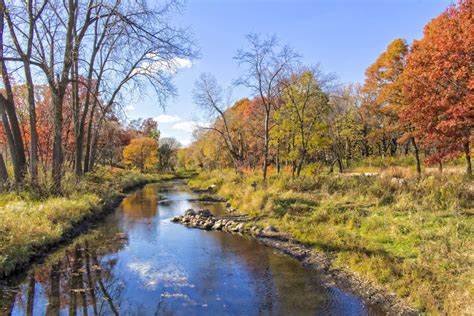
(204, 213)
(190, 212)
(239, 227)
(208, 225)
(175, 219)
(217, 226)
(270, 229)
(228, 205)
(185, 219)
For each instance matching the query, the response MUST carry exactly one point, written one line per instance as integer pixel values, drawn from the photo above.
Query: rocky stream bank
(235, 223)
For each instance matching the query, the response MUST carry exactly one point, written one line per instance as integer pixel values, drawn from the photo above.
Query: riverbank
(32, 226)
(402, 235)
(314, 260)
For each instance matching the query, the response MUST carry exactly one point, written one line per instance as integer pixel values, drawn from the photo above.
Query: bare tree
(211, 98)
(8, 112)
(266, 62)
(22, 35)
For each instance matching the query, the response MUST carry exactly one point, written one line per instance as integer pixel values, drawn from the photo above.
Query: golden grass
(412, 235)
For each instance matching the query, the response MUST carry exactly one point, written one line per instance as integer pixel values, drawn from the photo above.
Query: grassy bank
(412, 236)
(29, 222)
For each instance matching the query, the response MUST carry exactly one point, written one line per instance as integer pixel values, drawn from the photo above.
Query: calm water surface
(137, 262)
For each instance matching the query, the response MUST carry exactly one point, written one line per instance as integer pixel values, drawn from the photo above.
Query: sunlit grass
(29, 222)
(412, 235)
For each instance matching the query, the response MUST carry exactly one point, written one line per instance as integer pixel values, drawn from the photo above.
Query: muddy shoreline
(311, 259)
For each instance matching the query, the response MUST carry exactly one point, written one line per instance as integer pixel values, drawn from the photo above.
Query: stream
(136, 262)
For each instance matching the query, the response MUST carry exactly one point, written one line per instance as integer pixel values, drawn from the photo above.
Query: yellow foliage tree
(141, 153)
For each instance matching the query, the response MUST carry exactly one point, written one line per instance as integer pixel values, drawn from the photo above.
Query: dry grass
(412, 235)
(28, 222)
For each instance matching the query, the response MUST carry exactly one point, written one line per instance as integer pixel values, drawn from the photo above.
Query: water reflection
(138, 263)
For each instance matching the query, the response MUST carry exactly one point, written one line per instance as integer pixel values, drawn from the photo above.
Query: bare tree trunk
(417, 156)
(33, 130)
(467, 152)
(57, 143)
(7, 106)
(87, 156)
(339, 164)
(3, 171)
(266, 144)
(300, 164)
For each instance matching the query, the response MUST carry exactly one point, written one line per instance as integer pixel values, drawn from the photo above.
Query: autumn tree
(346, 126)
(141, 153)
(213, 100)
(302, 115)
(267, 63)
(383, 88)
(438, 83)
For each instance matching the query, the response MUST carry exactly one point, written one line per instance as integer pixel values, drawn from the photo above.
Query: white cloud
(189, 126)
(163, 118)
(185, 141)
(155, 64)
(152, 275)
(181, 63)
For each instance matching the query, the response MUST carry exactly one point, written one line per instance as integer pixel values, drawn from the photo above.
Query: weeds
(413, 235)
(28, 222)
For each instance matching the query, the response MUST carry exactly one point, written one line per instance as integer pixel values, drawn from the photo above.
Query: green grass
(412, 236)
(29, 222)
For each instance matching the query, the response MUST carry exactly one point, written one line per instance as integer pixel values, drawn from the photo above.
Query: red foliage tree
(439, 86)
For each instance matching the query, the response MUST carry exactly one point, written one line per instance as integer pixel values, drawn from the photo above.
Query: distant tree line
(415, 100)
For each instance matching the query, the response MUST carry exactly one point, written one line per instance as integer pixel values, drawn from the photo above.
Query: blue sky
(344, 36)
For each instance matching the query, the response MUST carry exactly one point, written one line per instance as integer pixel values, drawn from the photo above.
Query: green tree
(301, 117)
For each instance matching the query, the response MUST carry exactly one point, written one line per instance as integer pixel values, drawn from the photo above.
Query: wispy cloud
(155, 64)
(163, 118)
(189, 126)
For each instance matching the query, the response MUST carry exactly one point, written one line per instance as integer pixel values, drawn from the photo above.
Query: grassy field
(412, 235)
(29, 222)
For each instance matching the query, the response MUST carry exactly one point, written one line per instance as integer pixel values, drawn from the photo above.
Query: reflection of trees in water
(141, 204)
(75, 279)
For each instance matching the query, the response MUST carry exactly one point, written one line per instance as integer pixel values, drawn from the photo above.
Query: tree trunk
(467, 152)
(3, 171)
(417, 156)
(266, 144)
(17, 148)
(87, 155)
(339, 164)
(57, 143)
(440, 166)
(33, 130)
(300, 164)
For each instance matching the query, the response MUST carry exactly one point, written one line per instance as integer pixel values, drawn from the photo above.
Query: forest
(378, 175)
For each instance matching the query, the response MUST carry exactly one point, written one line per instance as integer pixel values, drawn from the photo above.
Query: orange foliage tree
(141, 153)
(438, 84)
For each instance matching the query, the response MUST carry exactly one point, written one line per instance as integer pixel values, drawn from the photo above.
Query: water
(136, 262)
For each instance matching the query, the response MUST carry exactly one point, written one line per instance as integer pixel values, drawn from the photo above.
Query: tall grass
(412, 235)
(29, 222)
